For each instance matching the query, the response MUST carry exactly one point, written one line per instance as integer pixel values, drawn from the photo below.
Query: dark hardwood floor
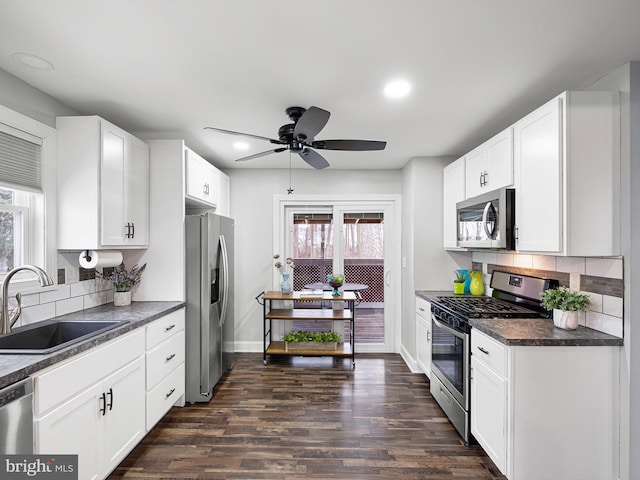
(311, 417)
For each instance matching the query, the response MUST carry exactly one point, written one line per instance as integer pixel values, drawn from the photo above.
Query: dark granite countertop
(532, 332)
(14, 368)
(541, 332)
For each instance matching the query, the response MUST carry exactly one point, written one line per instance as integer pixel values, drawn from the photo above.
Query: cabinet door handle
(170, 327)
(103, 401)
(170, 393)
(170, 357)
(110, 404)
(131, 230)
(486, 352)
(428, 337)
(205, 189)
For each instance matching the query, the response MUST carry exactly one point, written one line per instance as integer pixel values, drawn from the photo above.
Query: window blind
(20, 163)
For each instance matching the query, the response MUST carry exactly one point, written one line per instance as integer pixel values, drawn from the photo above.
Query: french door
(352, 238)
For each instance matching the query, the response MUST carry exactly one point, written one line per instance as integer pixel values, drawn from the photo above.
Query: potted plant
(123, 281)
(565, 305)
(311, 340)
(459, 281)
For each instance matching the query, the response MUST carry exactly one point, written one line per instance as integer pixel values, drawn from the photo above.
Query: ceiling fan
(299, 137)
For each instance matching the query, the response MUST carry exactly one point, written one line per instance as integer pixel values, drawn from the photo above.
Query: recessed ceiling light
(397, 89)
(33, 61)
(241, 146)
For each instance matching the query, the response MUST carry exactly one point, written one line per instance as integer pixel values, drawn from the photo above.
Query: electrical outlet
(71, 275)
(574, 282)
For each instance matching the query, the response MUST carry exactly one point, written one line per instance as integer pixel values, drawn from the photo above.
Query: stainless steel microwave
(487, 221)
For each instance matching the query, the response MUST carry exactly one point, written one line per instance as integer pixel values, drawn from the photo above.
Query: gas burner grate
(479, 307)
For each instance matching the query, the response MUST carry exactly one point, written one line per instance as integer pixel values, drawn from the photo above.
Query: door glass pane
(363, 240)
(313, 260)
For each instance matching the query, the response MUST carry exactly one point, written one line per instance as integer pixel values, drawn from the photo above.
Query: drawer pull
(110, 404)
(170, 393)
(486, 352)
(170, 357)
(170, 327)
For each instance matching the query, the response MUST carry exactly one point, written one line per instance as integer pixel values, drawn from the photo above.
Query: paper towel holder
(85, 254)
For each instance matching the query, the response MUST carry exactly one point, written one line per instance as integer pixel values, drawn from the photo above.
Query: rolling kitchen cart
(277, 347)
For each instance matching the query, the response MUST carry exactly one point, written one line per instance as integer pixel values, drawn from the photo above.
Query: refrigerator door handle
(204, 311)
(225, 281)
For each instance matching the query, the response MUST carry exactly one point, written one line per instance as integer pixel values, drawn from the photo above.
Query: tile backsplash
(78, 292)
(600, 278)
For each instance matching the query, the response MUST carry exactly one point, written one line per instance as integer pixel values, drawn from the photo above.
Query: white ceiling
(168, 68)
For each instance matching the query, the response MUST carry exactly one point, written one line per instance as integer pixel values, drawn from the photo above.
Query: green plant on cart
(320, 337)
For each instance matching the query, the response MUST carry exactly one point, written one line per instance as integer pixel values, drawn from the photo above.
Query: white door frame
(391, 205)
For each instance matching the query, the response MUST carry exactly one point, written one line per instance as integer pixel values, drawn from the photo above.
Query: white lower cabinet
(101, 403)
(546, 412)
(165, 366)
(489, 411)
(93, 405)
(423, 335)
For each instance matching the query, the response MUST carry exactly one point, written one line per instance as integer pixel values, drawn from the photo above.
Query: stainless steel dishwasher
(16, 418)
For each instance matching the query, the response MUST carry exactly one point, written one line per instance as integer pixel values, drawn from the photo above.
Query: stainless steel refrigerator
(209, 294)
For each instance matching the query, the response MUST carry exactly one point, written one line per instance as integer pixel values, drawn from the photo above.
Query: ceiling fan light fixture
(397, 89)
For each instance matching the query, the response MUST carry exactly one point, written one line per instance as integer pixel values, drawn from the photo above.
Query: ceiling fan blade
(231, 132)
(261, 154)
(352, 145)
(313, 158)
(310, 123)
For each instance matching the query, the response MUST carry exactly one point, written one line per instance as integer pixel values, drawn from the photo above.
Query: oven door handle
(455, 333)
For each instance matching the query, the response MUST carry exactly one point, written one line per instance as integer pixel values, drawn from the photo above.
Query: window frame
(42, 221)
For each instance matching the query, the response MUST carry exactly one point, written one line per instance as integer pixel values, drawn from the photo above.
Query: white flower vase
(121, 299)
(565, 319)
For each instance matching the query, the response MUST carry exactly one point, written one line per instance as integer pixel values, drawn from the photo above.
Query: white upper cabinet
(202, 180)
(205, 185)
(490, 166)
(453, 191)
(224, 206)
(567, 176)
(103, 186)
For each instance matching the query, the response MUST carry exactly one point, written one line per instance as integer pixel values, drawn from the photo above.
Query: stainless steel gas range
(513, 296)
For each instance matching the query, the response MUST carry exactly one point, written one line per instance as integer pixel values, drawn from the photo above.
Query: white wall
(626, 79)
(428, 265)
(252, 194)
(22, 97)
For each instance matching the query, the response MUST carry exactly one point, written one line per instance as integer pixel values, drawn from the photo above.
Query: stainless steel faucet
(9, 318)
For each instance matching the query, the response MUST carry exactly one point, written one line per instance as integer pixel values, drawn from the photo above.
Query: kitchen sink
(49, 335)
